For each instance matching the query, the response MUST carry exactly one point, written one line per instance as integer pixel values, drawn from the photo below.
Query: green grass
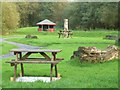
(6, 48)
(46, 40)
(80, 33)
(74, 74)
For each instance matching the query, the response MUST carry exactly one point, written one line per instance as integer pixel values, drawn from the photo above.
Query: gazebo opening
(45, 27)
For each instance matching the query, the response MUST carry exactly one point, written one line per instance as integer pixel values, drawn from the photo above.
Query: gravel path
(19, 45)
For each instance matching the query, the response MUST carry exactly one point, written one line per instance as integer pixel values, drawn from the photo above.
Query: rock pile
(31, 36)
(118, 41)
(92, 54)
(111, 37)
(114, 37)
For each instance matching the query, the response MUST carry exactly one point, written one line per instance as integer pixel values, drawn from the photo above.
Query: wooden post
(22, 69)
(54, 58)
(56, 73)
(15, 71)
(15, 67)
(51, 71)
(48, 29)
(16, 56)
(54, 55)
(42, 27)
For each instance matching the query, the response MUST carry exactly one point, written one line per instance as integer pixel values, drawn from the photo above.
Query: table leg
(22, 69)
(54, 55)
(56, 73)
(17, 56)
(51, 71)
(54, 58)
(15, 71)
(15, 66)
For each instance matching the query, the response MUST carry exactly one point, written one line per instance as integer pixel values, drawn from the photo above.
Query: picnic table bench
(20, 59)
(65, 33)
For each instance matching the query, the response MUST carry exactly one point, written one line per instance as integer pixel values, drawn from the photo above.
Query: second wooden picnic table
(20, 59)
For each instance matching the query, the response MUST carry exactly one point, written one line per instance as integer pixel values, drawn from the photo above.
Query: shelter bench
(25, 60)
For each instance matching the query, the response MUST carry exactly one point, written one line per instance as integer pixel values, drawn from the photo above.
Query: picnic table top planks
(34, 50)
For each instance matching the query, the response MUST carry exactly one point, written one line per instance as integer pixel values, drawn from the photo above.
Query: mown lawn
(6, 48)
(74, 74)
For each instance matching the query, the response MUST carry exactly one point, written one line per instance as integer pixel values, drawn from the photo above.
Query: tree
(109, 15)
(81, 14)
(23, 10)
(10, 17)
(58, 12)
(92, 15)
(31, 13)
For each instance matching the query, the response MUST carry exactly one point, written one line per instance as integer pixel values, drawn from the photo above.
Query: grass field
(74, 74)
(6, 48)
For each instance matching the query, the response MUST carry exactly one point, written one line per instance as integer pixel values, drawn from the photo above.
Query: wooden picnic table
(20, 59)
(65, 33)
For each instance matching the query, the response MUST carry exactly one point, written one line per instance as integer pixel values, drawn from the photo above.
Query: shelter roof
(46, 22)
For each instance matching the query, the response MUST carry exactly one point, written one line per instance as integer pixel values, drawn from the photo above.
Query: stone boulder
(31, 36)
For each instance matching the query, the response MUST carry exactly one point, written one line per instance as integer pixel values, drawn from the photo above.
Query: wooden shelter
(46, 25)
